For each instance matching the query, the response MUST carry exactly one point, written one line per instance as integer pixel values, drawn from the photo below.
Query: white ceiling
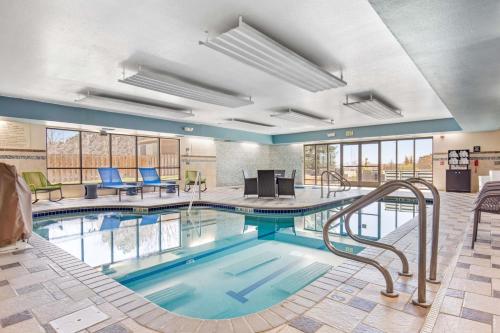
(54, 50)
(456, 45)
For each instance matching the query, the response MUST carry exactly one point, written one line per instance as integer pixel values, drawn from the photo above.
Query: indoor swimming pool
(215, 264)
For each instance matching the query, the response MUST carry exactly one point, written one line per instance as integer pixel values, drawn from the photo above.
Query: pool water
(215, 264)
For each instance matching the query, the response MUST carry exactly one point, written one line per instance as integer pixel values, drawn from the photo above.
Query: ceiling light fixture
(250, 46)
(303, 118)
(176, 86)
(374, 108)
(248, 123)
(133, 107)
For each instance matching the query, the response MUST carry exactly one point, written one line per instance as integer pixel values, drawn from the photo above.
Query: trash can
(90, 191)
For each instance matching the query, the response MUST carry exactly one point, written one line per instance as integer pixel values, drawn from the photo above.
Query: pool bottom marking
(240, 296)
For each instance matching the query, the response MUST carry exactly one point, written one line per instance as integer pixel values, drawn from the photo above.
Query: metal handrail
(197, 182)
(436, 203)
(369, 198)
(337, 176)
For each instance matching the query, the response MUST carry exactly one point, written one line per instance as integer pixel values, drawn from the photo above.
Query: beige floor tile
(475, 261)
(6, 292)
(23, 302)
(26, 326)
(393, 321)
(372, 293)
(450, 324)
(335, 314)
(451, 305)
(483, 288)
(482, 303)
(135, 327)
(328, 329)
(485, 271)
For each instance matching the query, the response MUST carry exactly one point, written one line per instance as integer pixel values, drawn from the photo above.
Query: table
(90, 191)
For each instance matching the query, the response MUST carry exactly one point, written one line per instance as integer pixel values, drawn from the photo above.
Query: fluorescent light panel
(303, 118)
(248, 123)
(171, 85)
(250, 46)
(148, 110)
(374, 108)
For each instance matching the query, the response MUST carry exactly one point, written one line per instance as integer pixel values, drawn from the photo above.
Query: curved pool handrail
(363, 201)
(436, 203)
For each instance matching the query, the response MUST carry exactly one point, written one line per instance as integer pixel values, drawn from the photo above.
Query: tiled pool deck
(43, 283)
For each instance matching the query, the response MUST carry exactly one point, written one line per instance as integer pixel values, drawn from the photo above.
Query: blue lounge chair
(110, 178)
(150, 178)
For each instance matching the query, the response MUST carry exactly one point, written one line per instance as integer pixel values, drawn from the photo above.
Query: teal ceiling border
(28, 109)
(35, 110)
(412, 127)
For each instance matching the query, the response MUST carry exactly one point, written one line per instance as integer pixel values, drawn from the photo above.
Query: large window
(370, 163)
(74, 156)
(95, 154)
(63, 156)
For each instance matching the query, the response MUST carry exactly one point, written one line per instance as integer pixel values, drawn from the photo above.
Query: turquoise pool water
(215, 264)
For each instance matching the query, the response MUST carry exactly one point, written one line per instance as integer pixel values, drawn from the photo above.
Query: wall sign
(477, 149)
(14, 135)
(349, 133)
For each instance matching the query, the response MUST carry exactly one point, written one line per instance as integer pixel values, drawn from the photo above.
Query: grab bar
(343, 182)
(369, 198)
(436, 203)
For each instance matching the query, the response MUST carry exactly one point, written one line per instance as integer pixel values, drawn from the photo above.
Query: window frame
(360, 182)
(159, 167)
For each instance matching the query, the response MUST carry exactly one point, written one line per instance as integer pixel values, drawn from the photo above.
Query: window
(423, 159)
(405, 159)
(63, 156)
(388, 161)
(350, 161)
(123, 157)
(74, 156)
(169, 159)
(370, 163)
(309, 164)
(95, 154)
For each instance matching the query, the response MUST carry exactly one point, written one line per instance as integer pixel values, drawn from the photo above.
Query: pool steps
(302, 277)
(249, 264)
(171, 293)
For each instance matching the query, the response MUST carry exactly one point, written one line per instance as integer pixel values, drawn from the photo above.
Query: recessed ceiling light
(250, 46)
(172, 85)
(374, 108)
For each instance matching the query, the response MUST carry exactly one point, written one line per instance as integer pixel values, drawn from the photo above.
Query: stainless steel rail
(343, 182)
(197, 184)
(436, 203)
(373, 196)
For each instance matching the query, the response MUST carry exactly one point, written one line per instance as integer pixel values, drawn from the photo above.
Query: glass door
(350, 163)
(321, 161)
(370, 175)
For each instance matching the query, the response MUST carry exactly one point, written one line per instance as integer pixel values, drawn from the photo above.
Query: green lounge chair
(39, 183)
(190, 179)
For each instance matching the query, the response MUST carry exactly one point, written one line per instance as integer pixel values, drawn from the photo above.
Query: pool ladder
(376, 195)
(197, 185)
(344, 183)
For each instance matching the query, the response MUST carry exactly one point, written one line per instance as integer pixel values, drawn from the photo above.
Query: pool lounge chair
(190, 179)
(37, 182)
(110, 178)
(150, 178)
(250, 185)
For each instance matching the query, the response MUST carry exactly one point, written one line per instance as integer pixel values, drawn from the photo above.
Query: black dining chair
(286, 186)
(250, 185)
(266, 186)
